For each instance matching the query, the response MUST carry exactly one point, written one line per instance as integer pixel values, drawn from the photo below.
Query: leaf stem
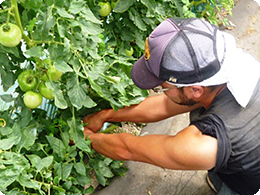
(82, 64)
(47, 42)
(109, 129)
(4, 10)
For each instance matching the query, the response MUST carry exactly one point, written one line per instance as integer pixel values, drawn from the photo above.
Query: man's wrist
(106, 115)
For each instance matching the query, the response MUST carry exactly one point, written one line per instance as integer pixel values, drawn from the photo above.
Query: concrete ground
(145, 179)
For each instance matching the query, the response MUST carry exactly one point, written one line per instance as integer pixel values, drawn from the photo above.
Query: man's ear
(197, 91)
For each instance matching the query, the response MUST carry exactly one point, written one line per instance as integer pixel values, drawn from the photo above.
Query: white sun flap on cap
(240, 71)
(243, 77)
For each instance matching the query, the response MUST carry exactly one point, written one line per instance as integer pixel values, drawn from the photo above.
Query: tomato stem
(6, 28)
(19, 23)
(48, 42)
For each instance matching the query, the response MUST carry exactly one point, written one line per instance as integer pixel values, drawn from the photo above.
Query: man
(200, 71)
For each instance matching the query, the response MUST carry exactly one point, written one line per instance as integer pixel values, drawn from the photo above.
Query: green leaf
(137, 19)
(59, 99)
(76, 131)
(61, 65)
(101, 169)
(5, 130)
(65, 138)
(104, 93)
(46, 21)
(40, 163)
(7, 97)
(57, 146)
(76, 6)
(80, 168)
(77, 94)
(63, 13)
(6, 144)
(12, 164)
(65, 171)
(123, 5)
(67, 185)
(35, 52)
(11, 50)
(89, 190)
(89, 28)
(66, 46)
(16, 133)
(62, 30)
(8, 176)
(90, 16)
(101, 179)
(127, 35)
(26, 181)
(84, 179)
(150, 4)
(29, 135)
(27, 117)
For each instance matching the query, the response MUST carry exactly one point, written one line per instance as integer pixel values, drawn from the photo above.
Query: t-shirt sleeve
(213, 126)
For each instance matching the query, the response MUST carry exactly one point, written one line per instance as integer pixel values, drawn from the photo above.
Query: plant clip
(2, 122)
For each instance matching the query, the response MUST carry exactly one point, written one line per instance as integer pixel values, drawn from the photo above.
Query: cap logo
(171, 79)
(147, 53)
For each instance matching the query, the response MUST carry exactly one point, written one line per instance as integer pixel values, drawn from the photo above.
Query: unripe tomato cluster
(34, 86)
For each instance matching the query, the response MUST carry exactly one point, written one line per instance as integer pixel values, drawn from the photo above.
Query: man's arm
(152, 109)
(187, 150)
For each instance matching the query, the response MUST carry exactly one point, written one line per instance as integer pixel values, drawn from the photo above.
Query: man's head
(180, 52)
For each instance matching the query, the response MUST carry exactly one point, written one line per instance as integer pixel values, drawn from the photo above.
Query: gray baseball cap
(179, 51)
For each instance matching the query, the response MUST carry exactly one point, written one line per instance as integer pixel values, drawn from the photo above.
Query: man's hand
(95, 121)
(87, 132)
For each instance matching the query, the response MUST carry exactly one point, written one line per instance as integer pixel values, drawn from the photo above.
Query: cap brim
(142, 76)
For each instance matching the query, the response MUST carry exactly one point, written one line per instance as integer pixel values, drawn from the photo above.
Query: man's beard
(185, 101)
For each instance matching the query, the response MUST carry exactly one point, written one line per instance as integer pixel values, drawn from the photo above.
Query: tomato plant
(10, 35)
(32, 99)
(80, 56)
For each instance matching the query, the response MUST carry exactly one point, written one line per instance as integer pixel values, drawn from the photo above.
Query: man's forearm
(152, 109)
(189, 149)
(111, 145)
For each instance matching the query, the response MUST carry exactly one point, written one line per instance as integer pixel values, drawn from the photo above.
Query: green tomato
(129, 52)
(10, 35)
(113, 3)
(44, 77)
(32, 99)
(105, 8)
(45, 91)
(27, 80)
(54, 74)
